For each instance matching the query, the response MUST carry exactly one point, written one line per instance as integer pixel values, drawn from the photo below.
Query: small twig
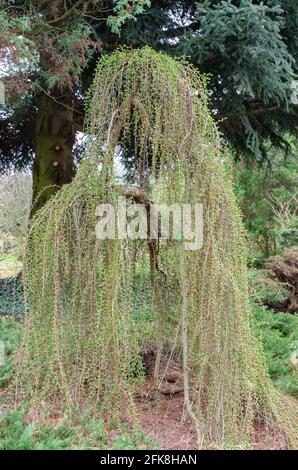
(59, 102)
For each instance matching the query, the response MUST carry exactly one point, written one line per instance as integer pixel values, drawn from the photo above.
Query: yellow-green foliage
(82, 339)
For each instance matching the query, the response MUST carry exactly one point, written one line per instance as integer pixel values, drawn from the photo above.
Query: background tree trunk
(54, 140)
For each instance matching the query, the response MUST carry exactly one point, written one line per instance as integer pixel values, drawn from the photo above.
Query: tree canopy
(248, 50)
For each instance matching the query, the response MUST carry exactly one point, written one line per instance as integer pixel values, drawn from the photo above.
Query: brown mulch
(162, 415)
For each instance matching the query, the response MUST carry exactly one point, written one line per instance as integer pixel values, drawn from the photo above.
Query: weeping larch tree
(92, 302)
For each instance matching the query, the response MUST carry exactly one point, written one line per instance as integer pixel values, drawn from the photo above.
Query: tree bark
(54, 140)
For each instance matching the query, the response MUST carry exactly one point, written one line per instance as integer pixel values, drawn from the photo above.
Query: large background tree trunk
(54, 140)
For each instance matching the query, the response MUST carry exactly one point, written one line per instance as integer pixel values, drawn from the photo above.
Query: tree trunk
(54, 140)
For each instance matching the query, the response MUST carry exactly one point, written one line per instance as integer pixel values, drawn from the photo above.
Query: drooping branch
(81, 298)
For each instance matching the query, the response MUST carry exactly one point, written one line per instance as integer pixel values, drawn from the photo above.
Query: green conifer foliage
(84, 322)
